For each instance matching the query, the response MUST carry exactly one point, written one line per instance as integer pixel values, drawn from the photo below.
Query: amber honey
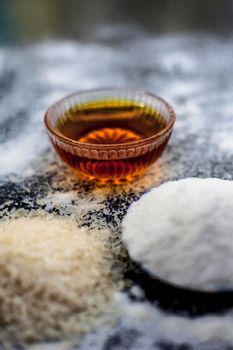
(116, 124)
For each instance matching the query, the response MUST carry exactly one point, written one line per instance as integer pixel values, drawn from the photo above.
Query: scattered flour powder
(142, 326)
(173, 66)
(182, 232)
(182, 60)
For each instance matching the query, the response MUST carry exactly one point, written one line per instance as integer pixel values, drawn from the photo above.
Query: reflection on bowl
(110, 135)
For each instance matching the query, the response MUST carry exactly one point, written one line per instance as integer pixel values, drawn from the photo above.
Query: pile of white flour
(182, 232)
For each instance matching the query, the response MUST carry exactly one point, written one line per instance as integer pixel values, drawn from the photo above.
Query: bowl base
(107, 181)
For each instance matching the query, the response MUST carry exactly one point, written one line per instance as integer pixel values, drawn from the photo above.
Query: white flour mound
(182, 232)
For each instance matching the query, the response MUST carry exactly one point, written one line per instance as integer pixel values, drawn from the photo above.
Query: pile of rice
(55, 278)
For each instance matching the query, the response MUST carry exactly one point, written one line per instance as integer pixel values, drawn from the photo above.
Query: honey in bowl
(110, 139)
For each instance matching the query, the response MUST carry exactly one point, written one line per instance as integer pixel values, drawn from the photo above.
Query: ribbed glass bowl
(119, 160)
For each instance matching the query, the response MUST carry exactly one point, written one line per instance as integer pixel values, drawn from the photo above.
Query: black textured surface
(187, 70)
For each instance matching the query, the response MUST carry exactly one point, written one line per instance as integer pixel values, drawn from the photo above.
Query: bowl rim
(167, 128)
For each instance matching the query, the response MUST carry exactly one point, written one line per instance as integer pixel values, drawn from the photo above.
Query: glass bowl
(110, 135)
